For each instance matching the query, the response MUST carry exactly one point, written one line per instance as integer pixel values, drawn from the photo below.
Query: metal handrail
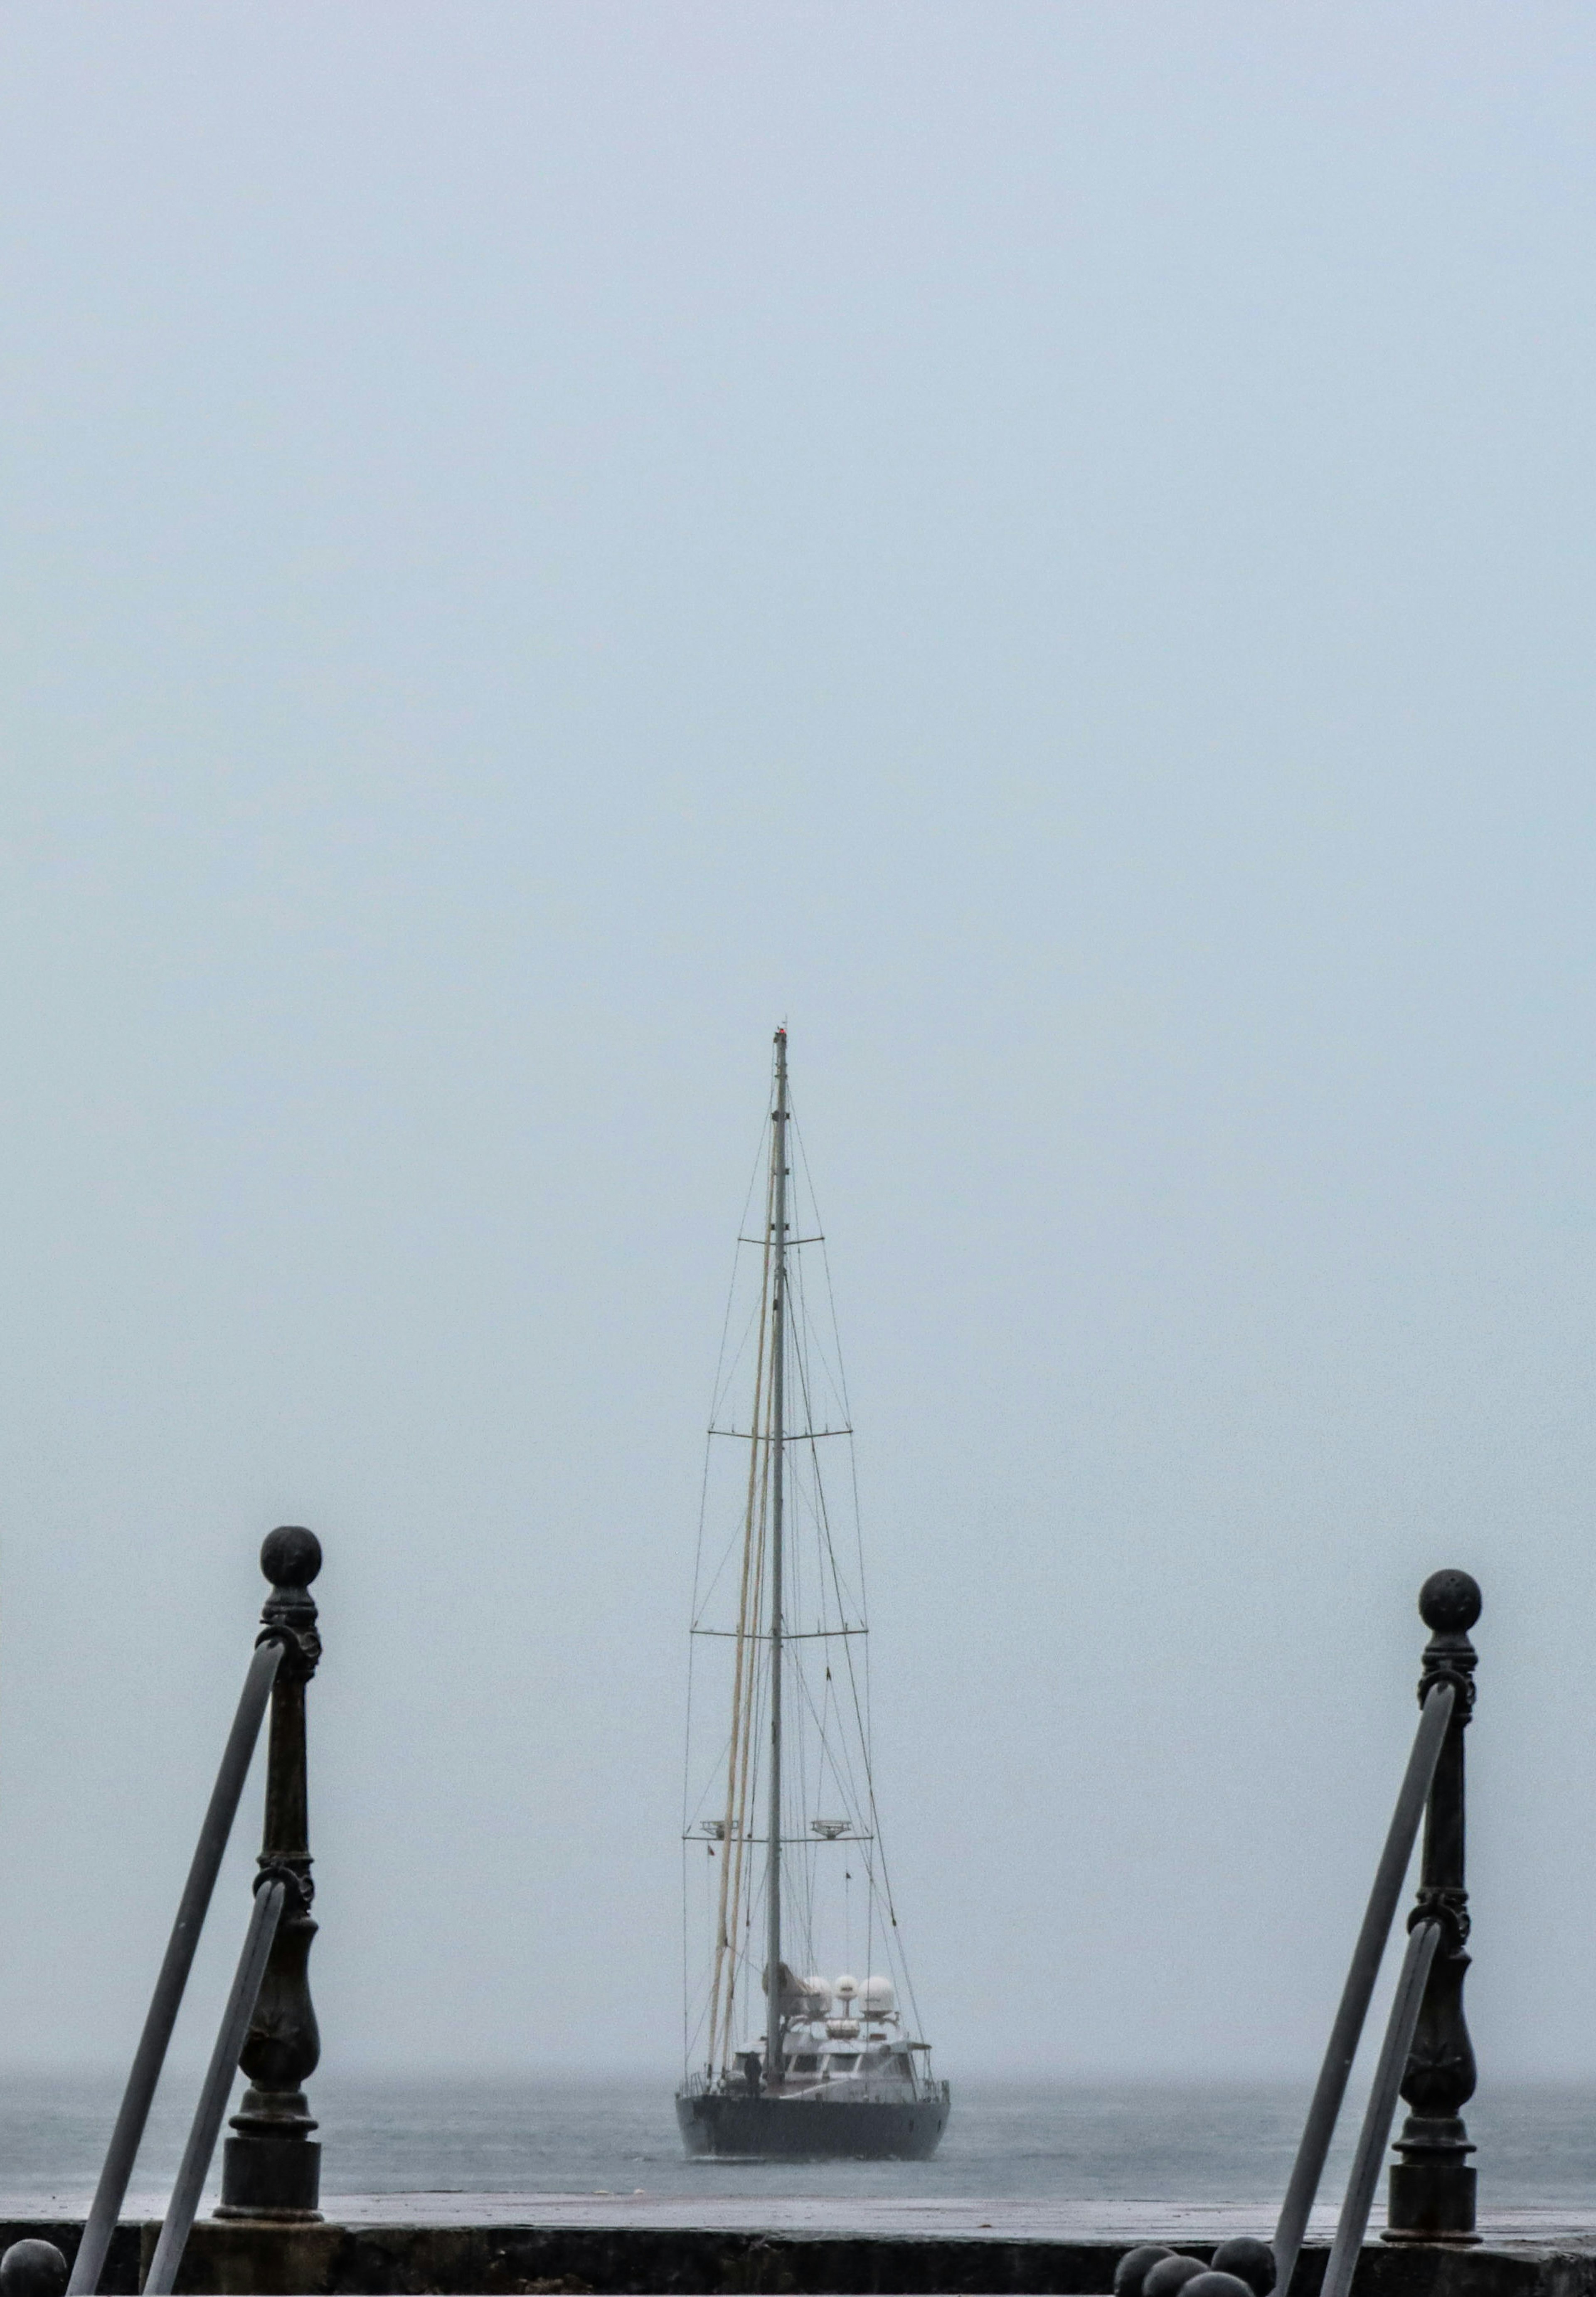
(1354, 2221)
(165, 2002)
(269, 1900)
(1366, 1955)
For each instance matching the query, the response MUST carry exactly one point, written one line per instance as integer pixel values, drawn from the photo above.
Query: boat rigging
(776, 2062)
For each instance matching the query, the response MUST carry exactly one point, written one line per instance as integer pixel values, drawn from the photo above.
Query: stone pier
(515, 2245)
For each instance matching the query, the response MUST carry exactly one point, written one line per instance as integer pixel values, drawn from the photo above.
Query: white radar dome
(877, 1999)
(818, 1997)
(846, 1987)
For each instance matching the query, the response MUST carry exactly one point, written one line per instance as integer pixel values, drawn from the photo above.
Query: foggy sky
(1049, 547)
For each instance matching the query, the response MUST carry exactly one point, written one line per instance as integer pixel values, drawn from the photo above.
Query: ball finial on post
(289, 1556)
(1448, 1602)
(1431, 2186)
(271, 2168)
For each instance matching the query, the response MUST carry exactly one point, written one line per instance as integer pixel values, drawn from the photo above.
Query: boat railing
(701, 2085)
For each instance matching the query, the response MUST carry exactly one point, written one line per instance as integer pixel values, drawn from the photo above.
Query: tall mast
(778, 1358)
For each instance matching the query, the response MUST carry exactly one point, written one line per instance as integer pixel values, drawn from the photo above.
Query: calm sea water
(1006, 2140)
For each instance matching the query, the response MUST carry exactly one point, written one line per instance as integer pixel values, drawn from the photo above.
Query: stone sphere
(291, 1556)
(1450, 1602)
(1134, 2267)
(1215, 2285)
(1172, 2274)
(33, 2269)
(1252, 2262)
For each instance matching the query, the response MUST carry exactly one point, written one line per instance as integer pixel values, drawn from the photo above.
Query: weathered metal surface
(1432, 2189)
(272, 2166)
(1369, 2155)
(128, 2134)
(271, 1895)
(1302, 2187)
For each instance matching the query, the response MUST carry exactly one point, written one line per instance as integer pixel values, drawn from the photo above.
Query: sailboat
(784, 1869)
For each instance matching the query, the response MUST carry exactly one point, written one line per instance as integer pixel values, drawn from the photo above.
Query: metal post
(164, 2003)
(271, 2168)
(1354, 2007)
(270, 1892)
(1432, 2189)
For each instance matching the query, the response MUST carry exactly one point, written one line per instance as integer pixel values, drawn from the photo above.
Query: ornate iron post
(271, 2168)
(1431, 2186)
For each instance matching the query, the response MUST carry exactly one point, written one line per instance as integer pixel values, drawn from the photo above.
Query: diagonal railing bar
(1367, 1955)
(165, 2002)
(1380, 2111)
(270, 1896)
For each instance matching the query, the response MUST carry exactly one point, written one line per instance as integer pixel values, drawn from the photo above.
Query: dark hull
(810, 2128)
